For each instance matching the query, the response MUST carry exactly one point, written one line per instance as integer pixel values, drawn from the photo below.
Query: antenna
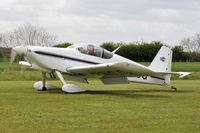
(116, 49)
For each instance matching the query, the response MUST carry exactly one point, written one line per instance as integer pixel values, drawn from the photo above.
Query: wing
(119, 68)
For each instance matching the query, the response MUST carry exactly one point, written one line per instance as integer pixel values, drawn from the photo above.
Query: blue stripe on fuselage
(64, 57)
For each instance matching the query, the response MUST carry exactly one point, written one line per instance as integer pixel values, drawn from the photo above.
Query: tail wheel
(173, 88)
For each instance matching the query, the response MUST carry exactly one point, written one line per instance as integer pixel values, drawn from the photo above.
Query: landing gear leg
(69, 88)
(43, 85)
(44, 81)
(173, 88)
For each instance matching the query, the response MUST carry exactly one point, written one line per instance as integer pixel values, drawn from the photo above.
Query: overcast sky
(97, 21)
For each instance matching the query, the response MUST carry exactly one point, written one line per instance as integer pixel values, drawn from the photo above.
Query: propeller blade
(21, 50)
(18, 50)
(13, 55)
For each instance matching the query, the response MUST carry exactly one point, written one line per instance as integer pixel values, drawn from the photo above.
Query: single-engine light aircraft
(83, 61)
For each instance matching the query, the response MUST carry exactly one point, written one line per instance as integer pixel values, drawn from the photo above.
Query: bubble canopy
(93, 50)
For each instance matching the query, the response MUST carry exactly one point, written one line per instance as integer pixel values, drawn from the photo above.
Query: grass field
(101, 109)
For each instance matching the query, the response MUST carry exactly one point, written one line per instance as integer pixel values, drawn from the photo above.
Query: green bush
(145, 52)
(142, 52)
(63, 45)
(1, 54)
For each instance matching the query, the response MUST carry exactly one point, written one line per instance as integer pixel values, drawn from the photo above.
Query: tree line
(187, 51)
(140, 52)
(27, 34)
(145, 52)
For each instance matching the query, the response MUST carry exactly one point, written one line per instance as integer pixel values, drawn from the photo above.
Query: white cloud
(106, 20)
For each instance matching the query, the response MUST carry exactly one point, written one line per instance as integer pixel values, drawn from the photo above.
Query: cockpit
(94, 50)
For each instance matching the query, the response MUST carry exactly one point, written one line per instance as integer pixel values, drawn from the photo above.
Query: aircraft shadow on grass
(124, 93)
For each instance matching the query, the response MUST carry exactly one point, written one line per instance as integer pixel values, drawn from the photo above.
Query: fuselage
(80, 62)
(50, 58)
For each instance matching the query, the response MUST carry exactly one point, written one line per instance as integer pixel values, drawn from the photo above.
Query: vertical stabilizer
(163, 60)
(162, 64)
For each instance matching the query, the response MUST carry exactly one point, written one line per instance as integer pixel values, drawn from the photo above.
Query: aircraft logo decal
(162, 59)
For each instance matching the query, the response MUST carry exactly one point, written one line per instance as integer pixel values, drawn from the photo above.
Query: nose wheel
(43, 85)
(44, 81)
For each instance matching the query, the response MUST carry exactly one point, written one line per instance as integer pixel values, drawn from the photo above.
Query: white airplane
(80, 62)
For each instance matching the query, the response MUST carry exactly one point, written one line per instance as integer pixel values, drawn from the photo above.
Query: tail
(162, 61)
(161, 64)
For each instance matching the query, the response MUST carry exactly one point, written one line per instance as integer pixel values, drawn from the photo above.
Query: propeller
(13, 55)
(18, 50)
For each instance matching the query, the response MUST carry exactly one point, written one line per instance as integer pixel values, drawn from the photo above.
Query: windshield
(94, 50)
(107, 54)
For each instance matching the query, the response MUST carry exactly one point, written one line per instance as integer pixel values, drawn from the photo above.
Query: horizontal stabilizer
(181, 74)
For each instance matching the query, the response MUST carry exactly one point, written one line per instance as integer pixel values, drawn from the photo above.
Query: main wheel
(44, 88)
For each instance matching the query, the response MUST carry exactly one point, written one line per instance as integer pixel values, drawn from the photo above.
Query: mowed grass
(16, 72)
(101, 109)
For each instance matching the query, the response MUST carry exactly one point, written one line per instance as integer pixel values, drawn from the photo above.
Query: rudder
(163, 62)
